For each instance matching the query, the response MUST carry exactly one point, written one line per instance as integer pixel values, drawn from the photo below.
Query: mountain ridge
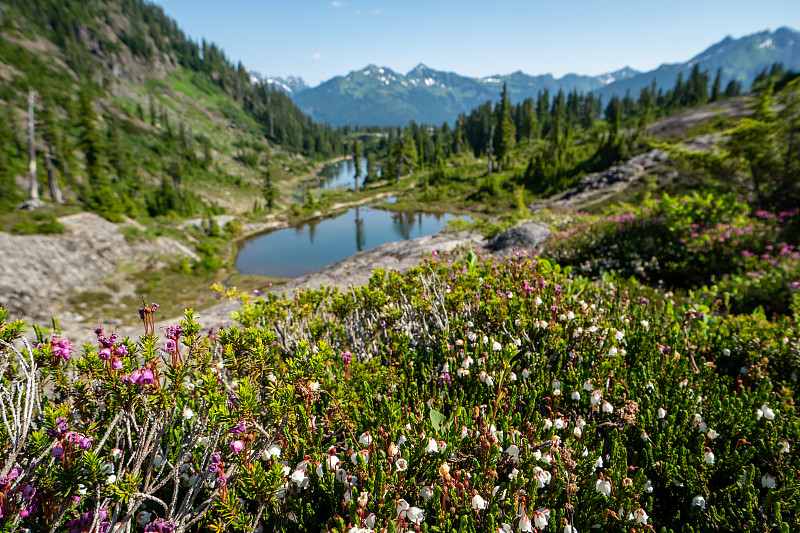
(426, 95)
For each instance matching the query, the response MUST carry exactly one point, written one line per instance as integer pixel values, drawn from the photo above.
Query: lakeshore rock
(528, 236)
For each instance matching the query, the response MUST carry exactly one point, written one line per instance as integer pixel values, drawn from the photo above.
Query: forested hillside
(133, 117)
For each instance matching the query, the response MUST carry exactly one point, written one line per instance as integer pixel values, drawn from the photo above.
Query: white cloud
(316, 55)
(358, 11)
(336, 3)
(377, 11)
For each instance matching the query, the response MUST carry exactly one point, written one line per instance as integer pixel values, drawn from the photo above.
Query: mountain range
(380, 96)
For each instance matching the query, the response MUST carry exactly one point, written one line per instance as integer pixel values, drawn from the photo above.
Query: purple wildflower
(105, 354)
(28, 492)
(239, 429)
(237, 446)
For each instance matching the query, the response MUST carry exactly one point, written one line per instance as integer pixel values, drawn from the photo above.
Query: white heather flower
(187, 413)
(699, 501)
(313, 386)
(542, 477)
(767, 481)
(645, 324)
(513, 474)
(432, 447)
(272, 451)
(489, 382)
(587, 385)
(559, 423)
(547, 424)
(370, 520)
(712, 434)
(784, 445)
(726, 352)
(143, 518)
(708, 456)
(581, 423)
(661, 412)
(640, 516)
(110, 480)
(540, 518)
(577, 432)
(597, 397)
(570, 315)
(613, 351)
(650, 387)
(300, 478)
(769, 414)
(603, 486)
(648, 487)
(401, 464)
(576, 395)
(365, 439)
(402, 506)
(525, 373)
(525, 522)
(496, 346)
(415, 515)
(598, 463)
(478, 503)
(537, 301)
(607, 407)
(512, 377)
(555, 384)
(513, 451)
(426, 493)
(464, 432)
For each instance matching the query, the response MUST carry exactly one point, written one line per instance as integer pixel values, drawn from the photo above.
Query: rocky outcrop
(609, 181)
(528, 236)
(36, 271)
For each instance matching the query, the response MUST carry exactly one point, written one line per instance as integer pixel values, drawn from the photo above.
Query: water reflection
(342, 174)
(295, 251)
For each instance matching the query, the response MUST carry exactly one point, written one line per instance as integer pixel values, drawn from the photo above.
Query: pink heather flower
(28, 492)
(121, 350)
(116, 364)
(146, 378)
(58, 451)
(237, 446)
(169, 345)
(105, 354)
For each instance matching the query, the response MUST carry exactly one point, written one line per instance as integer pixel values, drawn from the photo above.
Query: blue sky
(320, 39)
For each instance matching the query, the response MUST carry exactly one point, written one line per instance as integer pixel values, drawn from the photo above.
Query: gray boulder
(528, 236)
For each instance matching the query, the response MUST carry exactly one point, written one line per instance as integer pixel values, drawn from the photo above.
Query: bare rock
(528, 236)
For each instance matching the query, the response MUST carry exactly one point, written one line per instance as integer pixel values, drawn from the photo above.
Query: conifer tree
(506, 130)
(716, 89)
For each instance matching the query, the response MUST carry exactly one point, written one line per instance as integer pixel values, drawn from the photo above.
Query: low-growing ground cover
(744, 256)
(465, 395)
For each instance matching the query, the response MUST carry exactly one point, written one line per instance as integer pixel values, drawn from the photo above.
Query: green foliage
(462, 395)
(38, 222)
(717, 242)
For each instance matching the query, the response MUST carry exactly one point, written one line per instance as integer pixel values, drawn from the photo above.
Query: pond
(342, 174)
(295, 251)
